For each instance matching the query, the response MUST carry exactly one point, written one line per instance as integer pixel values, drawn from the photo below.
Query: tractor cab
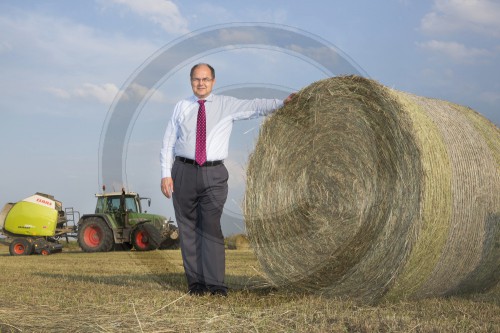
(119, 202)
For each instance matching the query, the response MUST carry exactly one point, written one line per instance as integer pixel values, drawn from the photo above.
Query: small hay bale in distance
(358, 190)
(241, 242)
(237, 242)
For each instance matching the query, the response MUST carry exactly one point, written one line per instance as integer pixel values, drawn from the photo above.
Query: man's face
(202, 81)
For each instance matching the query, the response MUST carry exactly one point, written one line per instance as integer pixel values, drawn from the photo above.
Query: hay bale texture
(358, 190)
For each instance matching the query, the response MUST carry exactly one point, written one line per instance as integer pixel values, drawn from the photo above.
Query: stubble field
(145, 292)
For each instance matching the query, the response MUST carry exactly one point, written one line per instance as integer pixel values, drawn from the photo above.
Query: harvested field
(144, 292)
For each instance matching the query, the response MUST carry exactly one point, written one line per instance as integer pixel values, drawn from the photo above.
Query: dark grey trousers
(199, 197)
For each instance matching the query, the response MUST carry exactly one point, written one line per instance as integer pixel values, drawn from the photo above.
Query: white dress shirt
(221, 111)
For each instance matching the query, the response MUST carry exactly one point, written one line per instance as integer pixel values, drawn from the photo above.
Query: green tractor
(120, 224)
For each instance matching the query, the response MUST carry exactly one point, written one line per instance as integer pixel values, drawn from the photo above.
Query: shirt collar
(208, 99)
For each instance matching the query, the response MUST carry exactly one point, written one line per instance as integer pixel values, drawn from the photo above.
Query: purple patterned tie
(201, 135)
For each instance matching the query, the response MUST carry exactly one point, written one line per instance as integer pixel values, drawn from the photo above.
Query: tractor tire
(94, 235)
(146, 237)
(20, 247)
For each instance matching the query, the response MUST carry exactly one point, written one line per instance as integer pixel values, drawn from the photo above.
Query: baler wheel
(20, 247)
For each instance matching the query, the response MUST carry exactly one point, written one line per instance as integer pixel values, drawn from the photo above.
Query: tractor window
(112, 204)
(130, 205)
(99, 208)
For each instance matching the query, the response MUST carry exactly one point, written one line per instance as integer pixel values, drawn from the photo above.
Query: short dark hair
(212, 70)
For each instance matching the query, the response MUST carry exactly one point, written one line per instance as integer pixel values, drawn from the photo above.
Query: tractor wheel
(20, 247)
(146, 237)
(94, 235)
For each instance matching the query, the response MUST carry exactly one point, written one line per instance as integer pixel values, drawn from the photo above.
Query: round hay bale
(237, 242)
(358, 190)
(241, 242)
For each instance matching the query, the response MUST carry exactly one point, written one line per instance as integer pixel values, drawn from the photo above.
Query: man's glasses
(204, 80)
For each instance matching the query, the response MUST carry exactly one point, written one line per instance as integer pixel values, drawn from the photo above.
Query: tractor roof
(114, 194)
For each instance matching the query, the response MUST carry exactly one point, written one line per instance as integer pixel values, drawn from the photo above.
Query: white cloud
(55, 42)
(448, 16)
(140, 92)
(162, 12)
(456, 51)
(104, 93)
(107, 92)
(60, 93)
(56, 57)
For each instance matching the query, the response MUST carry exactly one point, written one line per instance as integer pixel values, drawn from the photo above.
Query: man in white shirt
(195, 145)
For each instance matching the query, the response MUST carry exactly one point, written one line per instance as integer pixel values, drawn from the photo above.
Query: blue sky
(63, 63)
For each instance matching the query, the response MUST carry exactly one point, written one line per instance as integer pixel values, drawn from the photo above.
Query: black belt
(193, 162)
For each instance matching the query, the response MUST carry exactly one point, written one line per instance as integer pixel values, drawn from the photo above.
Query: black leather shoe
(197, 291)
(219, 292)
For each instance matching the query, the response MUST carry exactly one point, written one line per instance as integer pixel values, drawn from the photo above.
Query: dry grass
(144, 292)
